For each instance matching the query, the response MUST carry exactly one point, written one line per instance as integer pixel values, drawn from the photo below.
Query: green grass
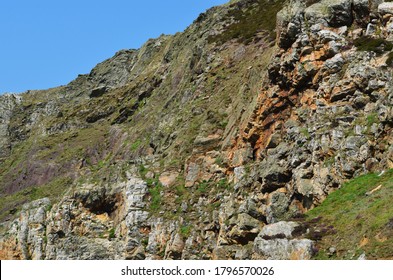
(377, 45)
(249, 21)
(305, 133)
(362, 223)
(143, 171)
(219, 161)
(329, 161)
(372, 118)
(223, 184)
(156, 198)
(112, 233)
(135, 145)
(185, 231)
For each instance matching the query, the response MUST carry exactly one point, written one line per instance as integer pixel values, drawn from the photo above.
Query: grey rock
(284, 249)
(362, 257)
(278, 207)
(32, 230)
(332, 251)
(193, 170)
(385, 8)
(334, 64)
(282, 229)
(371, 29)
(175, 247)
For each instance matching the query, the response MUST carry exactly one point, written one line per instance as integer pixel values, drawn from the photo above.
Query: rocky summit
(263, 131)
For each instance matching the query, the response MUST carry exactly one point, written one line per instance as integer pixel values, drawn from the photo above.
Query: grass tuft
(361, 218)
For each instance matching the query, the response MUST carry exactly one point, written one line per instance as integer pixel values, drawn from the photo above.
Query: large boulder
(276, 242)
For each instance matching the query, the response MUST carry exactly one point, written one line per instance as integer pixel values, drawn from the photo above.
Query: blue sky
(48, 43)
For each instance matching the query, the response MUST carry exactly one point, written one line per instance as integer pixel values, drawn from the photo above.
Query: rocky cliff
(220, 142)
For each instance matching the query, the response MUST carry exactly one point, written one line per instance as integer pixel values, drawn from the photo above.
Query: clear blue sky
(47, 43)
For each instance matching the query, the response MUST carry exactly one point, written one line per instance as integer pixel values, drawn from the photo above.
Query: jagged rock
(167, 179)
(362, 257)
(192, 174)
(333, 65)
(97, 92)
(273, 176)
(371, 29)
(31, 229)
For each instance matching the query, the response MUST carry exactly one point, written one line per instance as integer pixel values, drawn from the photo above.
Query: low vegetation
(11, 204)
(249, 19)
(361, 214)
(377, 45)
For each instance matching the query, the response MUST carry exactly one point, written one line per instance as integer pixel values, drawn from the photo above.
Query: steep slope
(202, 144)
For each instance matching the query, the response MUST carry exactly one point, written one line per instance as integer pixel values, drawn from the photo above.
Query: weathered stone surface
(167, 179)
(276, 242)
(284, 249)
(282, 229)
(385, 8)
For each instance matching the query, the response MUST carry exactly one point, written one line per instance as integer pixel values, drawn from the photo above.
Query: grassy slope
(362, 222)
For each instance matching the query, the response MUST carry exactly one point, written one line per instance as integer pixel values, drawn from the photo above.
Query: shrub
(112, 233)
(377, 45)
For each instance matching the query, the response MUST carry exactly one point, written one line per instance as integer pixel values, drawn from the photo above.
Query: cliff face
(209, 144)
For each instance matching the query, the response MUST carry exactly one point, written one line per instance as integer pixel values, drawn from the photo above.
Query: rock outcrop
(209, 144)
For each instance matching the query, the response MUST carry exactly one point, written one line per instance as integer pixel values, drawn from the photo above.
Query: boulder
(275, 242)
(284, 249)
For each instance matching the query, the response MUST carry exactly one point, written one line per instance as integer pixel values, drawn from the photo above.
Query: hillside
(242, 137)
